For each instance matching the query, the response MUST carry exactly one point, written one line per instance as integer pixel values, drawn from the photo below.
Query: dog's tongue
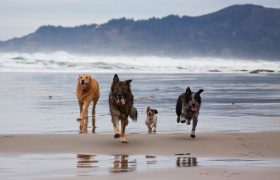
(122, 101)
(193, 108)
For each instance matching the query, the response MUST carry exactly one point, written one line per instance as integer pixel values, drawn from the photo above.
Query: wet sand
(197, 173)
(259, 145)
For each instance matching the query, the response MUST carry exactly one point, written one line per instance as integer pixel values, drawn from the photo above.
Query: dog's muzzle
(120, 99)
(84, 84)
(193, 108)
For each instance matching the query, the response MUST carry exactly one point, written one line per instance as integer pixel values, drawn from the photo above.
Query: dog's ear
(188, 90)
(128, 81)
(155, 111)
(116, 78)
(200, 91)
(148, 108)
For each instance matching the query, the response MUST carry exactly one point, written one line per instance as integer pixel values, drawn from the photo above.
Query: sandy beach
(253, 145)
(246, 146)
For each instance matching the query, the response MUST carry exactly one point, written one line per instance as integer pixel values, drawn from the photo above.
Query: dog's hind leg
(179, 108)
(124, 122)
(193, 127)
(93, 117)
(93, 124)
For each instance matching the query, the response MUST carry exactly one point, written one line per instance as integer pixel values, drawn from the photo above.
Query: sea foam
(65, 62)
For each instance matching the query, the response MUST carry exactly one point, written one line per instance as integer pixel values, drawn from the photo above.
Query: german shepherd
(121, 106)
(187, 108)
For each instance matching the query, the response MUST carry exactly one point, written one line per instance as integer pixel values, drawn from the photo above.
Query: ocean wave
(65, 62)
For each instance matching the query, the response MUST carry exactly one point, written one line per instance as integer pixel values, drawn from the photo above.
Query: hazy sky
(20, 17)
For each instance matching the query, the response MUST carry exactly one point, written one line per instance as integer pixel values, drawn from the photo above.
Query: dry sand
(260, 145)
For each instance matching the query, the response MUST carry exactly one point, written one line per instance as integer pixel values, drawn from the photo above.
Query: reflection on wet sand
(186, 161)
(94, 164)
(84, 125)
(122, 164)
(86, 161)
(34, 166)
(150, 159)
(103, 164)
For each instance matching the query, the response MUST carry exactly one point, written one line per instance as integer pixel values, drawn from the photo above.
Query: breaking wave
(65, 62)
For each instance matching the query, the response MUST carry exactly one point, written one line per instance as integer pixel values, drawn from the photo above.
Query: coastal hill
(239, 31)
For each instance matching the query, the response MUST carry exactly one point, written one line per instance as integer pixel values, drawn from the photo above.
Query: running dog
(187, 108)
(121, 106)
(87, 92)
(151, 120)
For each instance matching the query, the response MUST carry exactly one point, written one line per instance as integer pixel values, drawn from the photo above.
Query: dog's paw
(154, 131)
(188, 122)
(192, 134)
(93, 130)
(178, 119)
(117, 135)
(123, 140)
(183, 121)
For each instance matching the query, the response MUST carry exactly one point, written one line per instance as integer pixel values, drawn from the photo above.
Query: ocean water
(38, 92)
(232, 102)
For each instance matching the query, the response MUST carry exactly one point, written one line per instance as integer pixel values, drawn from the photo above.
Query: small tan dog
(151, 120)
(87, 91)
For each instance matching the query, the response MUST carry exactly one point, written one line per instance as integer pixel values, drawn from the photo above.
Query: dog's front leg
(79, 119)
(84, 112)
(115, 121)
(84, 126)
(81, 106)
(81, 110)
(124, 122)
(148, 126)
(152, 126)
(193, 127)
(155, 127)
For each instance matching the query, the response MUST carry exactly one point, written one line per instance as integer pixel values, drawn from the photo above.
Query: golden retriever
(87, 92)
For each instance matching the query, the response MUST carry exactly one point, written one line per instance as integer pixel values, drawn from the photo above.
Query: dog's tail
(133, 114)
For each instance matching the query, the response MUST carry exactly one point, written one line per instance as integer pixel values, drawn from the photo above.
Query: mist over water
(65, 62)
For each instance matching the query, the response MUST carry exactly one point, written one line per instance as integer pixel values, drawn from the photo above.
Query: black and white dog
(151, 120)
(187, 108)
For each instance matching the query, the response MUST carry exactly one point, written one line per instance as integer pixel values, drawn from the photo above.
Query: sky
(21, 17)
